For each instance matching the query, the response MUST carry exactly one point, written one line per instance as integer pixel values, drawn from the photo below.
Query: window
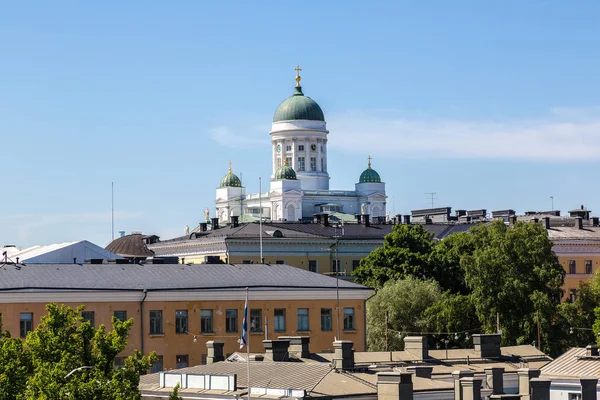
(280, 262)
(120, 315)
(181, 321)
(256, 320)
(336, 266)
(89, 316)
(313, 163)
(288, 160)
(231, 321)
(300, 163)
(325, 319)
(279, 320)
(182, 361)
(278, 162)
(206, 321)
(119, 362)
(355, 264)
(572, 267)
(574, 396)
(156, 327)
(312, 265)
(288, 148)
(246, 261)
(349, 319)
(157, 366)
(26, 324)
(588, 267)
(301, 147)
(303, 319)
(573, 295)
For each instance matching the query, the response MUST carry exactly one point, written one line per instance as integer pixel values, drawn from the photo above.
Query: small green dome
(369, 175)
(298, 107)
(285, 172)
(231, 179)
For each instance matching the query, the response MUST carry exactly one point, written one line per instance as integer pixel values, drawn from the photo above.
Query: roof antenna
(112, 211)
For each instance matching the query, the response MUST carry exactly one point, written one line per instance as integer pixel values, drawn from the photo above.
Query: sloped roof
(573, 364)
(62, 253)
(130, 246)
(164, 277)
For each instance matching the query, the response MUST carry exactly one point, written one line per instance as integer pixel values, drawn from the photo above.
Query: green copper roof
(285, 172)
(231, 180)
(298, 107)
(369, 175)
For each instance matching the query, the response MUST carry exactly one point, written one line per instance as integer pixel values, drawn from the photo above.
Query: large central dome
(298, 107)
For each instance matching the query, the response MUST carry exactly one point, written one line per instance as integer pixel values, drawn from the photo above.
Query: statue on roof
(187, 230)
(363, 209)
(207, 214)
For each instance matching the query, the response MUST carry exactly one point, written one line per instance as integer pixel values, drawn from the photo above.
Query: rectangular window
(349, 319)
(572, 267)
(181, 321)
(288, 148)
(279, 320)
(574, 396)
(156, 327)
(303, 319)
(26, 324)
(256, 320)
(312, 265)
(288, 160)
(182, 361)
(326, 319)
(300, 163)
(157, 366)
(301, 147)
(278, 162)
(206, 321)
(588, 267)
(280, 262)
(336, 266)
(231, 321)
(120, 315)
(89, 316)
(313, 163)
(119, 362)
(355, 264)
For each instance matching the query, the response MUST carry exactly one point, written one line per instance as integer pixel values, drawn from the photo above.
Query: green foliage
(452, 313)
(404, 301)
(39, 368)
(175, 393)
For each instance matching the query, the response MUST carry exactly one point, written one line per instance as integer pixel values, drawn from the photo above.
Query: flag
(244, 338)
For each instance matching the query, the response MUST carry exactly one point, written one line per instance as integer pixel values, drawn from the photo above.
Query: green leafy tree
(452, 313)
(175, 393)
(15, 367)
(62, 343)
(403, 301)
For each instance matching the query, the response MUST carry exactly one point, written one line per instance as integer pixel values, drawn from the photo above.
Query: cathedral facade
(299, 184)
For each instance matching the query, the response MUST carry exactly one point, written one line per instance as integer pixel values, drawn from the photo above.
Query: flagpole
(247, 346)
(262, 260)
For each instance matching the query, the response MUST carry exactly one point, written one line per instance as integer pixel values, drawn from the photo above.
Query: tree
(62, 343)
(452, 313)
(15, 367)
(404, 302)
(175, 393)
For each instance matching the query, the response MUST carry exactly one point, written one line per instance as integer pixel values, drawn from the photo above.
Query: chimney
(546, 222)
(540, 389)
(358, 218)
(525, 375)
(325, 219)
(215, 351)
(317, 218)
(398, 219)
(591, 350)
(343, 357)
(407, 219)
(534, 220)
(420, 371)
(470, 388)
(366, 220)
(458, 375)
(235, 221)
(595, 221)
(417, 346)
(277, 349)
(579, 222)
(74, 260)
(512, 219)
(203, 226)
(588, 388)
(299, 345)
(121, 233)
(494, 378)
(487, 345)
(92, 261)
(394, 386)
(215, 223)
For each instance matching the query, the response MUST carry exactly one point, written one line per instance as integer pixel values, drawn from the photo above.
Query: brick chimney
(417, 346)
(546, 222)
(215, 351)
(406, 219)
(203, 226)
(394, 386)
(215, 223)
(325, 219)
(277, 349)
(343, 357)
(235, 221)
(579, 222)
(540, 389)
(591, 350)
(487, 345)
(588, 388)
(299, 345)
(512, 219)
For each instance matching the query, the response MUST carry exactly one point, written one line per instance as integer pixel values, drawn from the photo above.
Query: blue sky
(489, 104)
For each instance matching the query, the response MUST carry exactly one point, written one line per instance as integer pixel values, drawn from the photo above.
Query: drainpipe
(145, 291)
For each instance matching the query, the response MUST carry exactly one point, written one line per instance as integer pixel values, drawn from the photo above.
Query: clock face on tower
(313, 147)
(278, 148)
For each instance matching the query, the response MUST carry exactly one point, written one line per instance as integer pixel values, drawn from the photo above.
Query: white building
(299, 184)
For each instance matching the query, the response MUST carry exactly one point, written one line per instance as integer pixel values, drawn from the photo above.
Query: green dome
(285, 172)
(298, 107)
(231, 180)
(369, 175)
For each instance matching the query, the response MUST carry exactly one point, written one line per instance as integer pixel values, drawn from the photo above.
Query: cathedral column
(294, 159)
(325, 156)
(274, 142)
(319, 155)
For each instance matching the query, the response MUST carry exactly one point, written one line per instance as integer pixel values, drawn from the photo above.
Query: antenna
(552, 200)
(112, 210)
(431, 196)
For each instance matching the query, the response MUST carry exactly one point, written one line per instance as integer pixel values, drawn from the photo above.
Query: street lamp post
(337, 282)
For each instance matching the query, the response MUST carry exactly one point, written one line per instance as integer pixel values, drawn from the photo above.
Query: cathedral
(299, 184)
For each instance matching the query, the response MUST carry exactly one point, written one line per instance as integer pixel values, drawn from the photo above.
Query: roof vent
(591, 351)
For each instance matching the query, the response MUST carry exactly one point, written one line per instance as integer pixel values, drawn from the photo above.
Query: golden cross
(369, 158)
(298, 78)
(230, 166)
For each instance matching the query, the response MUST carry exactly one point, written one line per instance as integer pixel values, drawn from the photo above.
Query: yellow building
(178, 308)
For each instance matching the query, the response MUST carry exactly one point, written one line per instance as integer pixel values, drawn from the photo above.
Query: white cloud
(231, 137)
(565, 135)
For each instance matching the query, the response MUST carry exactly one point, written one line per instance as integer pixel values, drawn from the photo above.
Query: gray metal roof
(162, 277)
(574, 364)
